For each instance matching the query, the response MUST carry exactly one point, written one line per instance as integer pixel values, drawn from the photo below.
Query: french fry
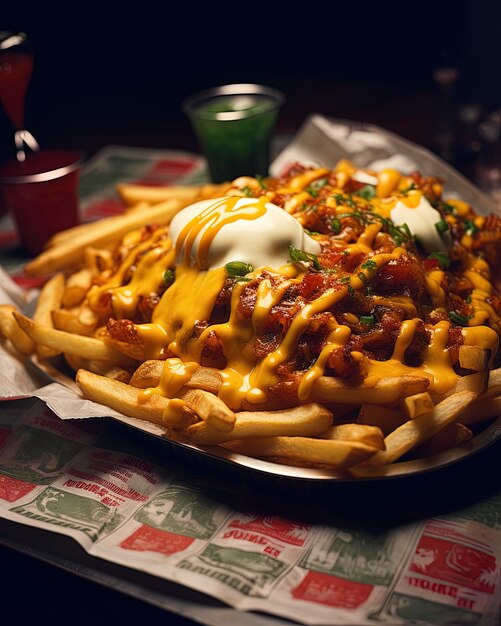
(131, 194)
(48, 301)
(305, 420)
(304, 450)
(417, 404)
(103, 368)
(77, 286)
(363, 433)
(385, 391)
(70, 253)
(148, 375)
(473, 358)
(131, 401)
(59, 340)
(416, 431)
(481, 411)
(69, 321)
(387, 419)
(476, 382)
(9, 329)
(449, 437)
(210, 408)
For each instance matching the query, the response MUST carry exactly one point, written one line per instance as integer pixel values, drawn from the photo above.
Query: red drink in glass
(42, 195)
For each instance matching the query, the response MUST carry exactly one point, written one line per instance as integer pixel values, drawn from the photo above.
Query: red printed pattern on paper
(103, 208)
(454, 562)
(332, 591)
(147, 538)
(12, 489)
(276, 527)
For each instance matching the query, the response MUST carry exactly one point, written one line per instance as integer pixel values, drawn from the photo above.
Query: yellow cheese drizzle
(191, 298)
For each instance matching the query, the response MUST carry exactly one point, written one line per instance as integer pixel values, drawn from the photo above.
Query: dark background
(106, 75)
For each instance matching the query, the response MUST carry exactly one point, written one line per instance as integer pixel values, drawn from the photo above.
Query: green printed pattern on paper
(182, 511)
(239, 569)
(487, 512)
(355, 556)
(37, 456)
(108, 173)
(422, 612)
(69, 510)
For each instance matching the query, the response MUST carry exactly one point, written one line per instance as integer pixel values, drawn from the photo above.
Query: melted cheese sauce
(211, 233)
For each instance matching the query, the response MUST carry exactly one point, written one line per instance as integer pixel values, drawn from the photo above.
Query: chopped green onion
(442, 258)
(470, 228)
(362, 277)
(367, 319)
(367, 193)
(301, 256)
(335, 225)
(262, 183)
(448, 208)
(442, 227)
(457, 318)
(247, 191)
(468, 299)
(351, 291)
(369, 265)
(315, 186)
(342, 199)
(167, 276)
(411, 187)
(238, 268)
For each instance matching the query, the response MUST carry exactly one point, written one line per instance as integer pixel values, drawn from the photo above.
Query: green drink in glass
(234, 125)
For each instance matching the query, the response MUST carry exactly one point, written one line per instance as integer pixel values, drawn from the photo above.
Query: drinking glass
(234, 126)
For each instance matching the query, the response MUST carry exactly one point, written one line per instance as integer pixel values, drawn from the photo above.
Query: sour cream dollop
(422, 221)
(254, 232)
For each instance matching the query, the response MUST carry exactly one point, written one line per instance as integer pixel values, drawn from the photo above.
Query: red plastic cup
(42, 195)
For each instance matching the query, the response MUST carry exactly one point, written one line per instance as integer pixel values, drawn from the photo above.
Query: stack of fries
(359, 423)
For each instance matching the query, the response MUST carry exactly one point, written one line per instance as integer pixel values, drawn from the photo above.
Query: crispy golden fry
(417, 404)
(449, 437)
(97, 260)
(363, 433)
(387, 419)
(416, 431)
(472, 382)
(305, 420)
(327, 452)
(77, 286)
(69, 253)
(11, 331)
(494, 384)
(210, 408)
(131, 194)
(69, 321)
(473, 358)
(148, 375)
(49, 300)
(385, 391)
(86, 347)
(103, 368)
(484, 409)
(131, 401)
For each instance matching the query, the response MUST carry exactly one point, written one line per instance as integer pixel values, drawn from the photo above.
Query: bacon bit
(212, 352)
(455, 341)
(122, 330)
(400, 277)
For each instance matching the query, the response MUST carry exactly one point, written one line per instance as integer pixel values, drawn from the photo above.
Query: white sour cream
(263, 241)
(421, 221)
